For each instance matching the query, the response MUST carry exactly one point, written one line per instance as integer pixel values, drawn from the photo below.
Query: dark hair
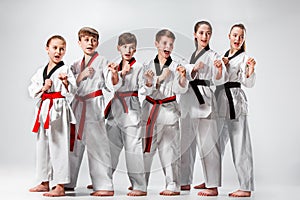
(127, 38)
(55, 37)
(196, 27)
(241, 26)
(164, 32)
(88, 31)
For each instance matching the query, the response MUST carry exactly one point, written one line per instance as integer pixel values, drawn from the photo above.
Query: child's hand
(226, 61)
(164, 75)
(181, 70)
(125, 69)
(63, 76)
(88, 72)
(250, 67)
(113, 67)
(198, 66)
(251, 62)
(149, 77)
(218, 64)
(47, 86)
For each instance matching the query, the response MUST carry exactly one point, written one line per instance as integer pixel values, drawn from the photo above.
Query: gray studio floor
(16, 180)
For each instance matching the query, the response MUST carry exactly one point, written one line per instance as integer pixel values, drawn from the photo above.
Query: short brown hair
(88, 31)
(127, 38)
(164, 32)
(55, 37)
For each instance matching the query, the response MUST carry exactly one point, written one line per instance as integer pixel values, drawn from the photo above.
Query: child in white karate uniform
(233, 110)
(124, 114)
(54, 86)
(91, 77)
(164, 80)
(199, 113)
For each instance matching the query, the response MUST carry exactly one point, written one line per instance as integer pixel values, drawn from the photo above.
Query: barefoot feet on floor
(137, 193)
(185, 187)
(201, 186)
(43, 187)
(103, 193)
(169, 193)
(57, 192)
(240, 193)
(209, 192)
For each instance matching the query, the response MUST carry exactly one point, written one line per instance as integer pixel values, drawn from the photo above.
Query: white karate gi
(166, 134)
(199, 123)
(237, 130)
(94, 135)
(124, 126)
(53, 143)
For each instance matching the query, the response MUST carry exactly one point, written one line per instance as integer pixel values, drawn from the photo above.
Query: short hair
(127, 38)
(164, 32)
(55, 37)
(88, 31)
(241, 26)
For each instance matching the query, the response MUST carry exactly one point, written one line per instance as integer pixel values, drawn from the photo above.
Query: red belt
(81, 99)
(51, 96)
(120, 96)
(152, 118)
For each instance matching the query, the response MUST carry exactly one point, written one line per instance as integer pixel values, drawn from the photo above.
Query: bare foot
(169, 193)
(209, 192)
(201, 186)
(185, 187)
(240, 193)
(137, 193)
(57, 192)
(89, 187)
(43, 187)
(130, 188)
(103, 193)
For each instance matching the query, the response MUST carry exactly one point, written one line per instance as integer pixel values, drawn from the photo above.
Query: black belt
(227, 87)
(194, 85)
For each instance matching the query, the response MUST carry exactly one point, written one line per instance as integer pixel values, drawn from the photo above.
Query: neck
(51, 65)
(232, 51)
(200, 48)
(162, 59)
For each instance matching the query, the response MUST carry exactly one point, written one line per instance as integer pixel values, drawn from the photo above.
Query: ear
(118, 48)
(195, 35)
(156, 44)
(229, 36)
(79, 42)
(47, 49)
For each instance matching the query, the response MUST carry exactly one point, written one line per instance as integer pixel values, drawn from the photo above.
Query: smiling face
(237, 38)
(165, 46)
(202, 36)
(88, 44)
(56, 50)
(127, 51)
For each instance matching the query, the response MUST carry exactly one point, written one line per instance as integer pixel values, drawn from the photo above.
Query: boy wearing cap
(88, 106)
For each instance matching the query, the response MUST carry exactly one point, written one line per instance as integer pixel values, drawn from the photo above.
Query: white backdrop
(272, 39)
